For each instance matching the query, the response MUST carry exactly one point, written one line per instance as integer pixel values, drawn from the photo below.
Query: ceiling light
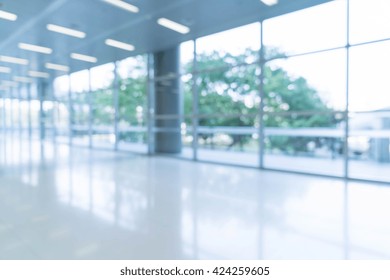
(34, 48)
(23, 79)
(14, 60)
(65, 30)
(57, 67)
(120, 45)
(5, 69)
(173, 25)
(270, 2)
(123, 5)
(37, 74)
(83, 57)
(8, 16)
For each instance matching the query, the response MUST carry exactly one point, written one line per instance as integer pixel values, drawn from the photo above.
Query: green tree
(225, 88)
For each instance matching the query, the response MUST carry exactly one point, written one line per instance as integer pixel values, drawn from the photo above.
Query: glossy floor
(58, 202)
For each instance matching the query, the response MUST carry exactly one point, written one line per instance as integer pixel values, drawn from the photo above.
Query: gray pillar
(167, 101)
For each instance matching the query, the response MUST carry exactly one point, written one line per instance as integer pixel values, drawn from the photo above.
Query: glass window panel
(306, 30)
(186, 56)
(315, 82)
(80, 81)
(369, 20)
(187, 90)
(132, 126)
(8, 112)
(235, 46)
(234, 91)
(80, 118)
(103, 118)
(102, 76)
(61, 108)
(369, 88)
(229, 140)
(311, 143)
(369, 146)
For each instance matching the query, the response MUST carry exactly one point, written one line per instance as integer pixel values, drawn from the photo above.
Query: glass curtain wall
(297, 92)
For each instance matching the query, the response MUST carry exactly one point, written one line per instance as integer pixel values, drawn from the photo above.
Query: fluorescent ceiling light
(123, 5)
(5, 69)
(37, 74)
(14, 60)
(8, 16)
(23, 79)
(83, 57)
(120, 45)
(66, 31)
(173, 25)
(34, 48)
(57, 67)
(270, 2)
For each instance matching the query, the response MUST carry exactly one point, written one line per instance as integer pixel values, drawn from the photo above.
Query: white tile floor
(61, 203)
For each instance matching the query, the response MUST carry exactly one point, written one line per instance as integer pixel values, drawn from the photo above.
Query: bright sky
(311, 30)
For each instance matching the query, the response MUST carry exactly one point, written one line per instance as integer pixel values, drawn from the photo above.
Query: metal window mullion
(116, 106)
(3, 113)
(261, 130)
(42, 120)
(11, 110)
(19, 112)
(70, 112)
(53, 101)
(195, 104)
(90, 106)
(29, 112)
(150, 104)
(346, 116)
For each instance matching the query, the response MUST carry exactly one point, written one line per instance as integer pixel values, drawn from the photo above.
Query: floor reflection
(58, 202)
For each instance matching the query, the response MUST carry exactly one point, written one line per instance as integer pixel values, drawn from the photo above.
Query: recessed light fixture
(23, 79)
(120, 45)
(173, 25)
(14, 60)
(8, 15)
(66, 31)
(37, 74)
(83, 57)
(57, 67)
(270, 2)
(123, 5)
(35, 48)
(5, 69)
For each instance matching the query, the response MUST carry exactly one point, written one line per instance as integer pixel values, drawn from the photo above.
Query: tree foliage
(227, 86)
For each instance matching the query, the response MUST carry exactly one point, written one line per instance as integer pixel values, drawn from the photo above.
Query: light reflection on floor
(62, 203)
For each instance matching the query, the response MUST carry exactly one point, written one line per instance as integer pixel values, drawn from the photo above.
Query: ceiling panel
(101, 21)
